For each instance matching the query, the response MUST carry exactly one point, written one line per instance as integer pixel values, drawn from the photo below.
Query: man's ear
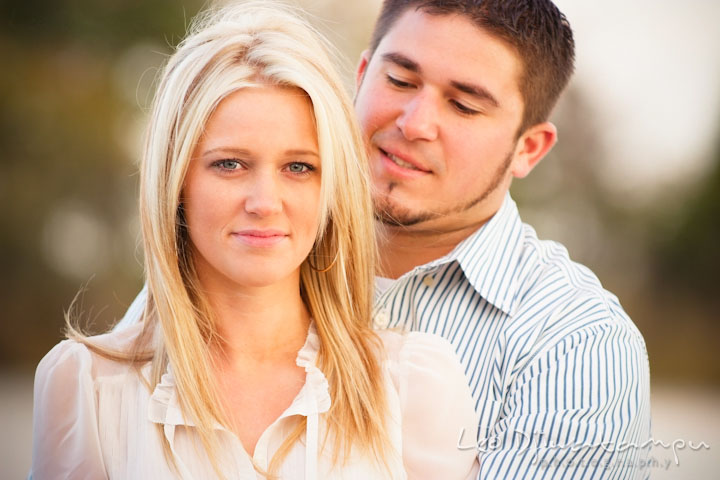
(532, 146)
(362, 66)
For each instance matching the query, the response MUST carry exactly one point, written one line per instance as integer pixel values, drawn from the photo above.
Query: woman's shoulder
(71, 358)
(67, 352)
(76, 404)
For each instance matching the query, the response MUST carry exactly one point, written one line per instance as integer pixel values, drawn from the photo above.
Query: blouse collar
(313, 398)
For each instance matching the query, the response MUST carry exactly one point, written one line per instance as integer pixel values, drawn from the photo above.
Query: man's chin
(394, 216)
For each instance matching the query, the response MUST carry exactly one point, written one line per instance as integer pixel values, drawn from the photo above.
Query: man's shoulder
(546, 265)
(559, 293)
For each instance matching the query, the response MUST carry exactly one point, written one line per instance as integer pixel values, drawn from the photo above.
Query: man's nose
(419, 117)
(264, 198)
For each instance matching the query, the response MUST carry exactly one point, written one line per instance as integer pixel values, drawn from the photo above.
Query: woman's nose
(264, 198)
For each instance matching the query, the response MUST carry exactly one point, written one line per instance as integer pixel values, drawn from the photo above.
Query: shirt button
(429, 281)
(382, 319)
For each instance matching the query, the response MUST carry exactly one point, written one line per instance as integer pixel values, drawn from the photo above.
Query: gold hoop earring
(332, 264)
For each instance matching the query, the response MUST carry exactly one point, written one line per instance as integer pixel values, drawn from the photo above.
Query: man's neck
(404, 248)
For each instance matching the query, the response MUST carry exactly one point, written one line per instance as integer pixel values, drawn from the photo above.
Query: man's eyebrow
(476, 91)
(402, 61)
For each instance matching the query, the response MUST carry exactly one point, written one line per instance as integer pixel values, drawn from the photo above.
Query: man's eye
(398, 83)
(463, 109)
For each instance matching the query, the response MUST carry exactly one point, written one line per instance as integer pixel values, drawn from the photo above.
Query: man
(453, 97)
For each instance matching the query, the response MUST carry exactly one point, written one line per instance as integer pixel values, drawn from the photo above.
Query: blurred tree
(99, 25)
(686, 284)
(689, 257)
(67, 179)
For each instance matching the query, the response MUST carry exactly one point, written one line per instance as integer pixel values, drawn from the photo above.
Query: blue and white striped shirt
(558, 371)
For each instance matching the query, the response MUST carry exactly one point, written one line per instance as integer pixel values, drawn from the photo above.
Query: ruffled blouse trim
(313, 398)
(164, 405)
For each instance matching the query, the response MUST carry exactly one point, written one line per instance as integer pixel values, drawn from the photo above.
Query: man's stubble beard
(400, 216)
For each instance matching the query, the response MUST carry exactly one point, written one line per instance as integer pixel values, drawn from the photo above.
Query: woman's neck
(260, 324)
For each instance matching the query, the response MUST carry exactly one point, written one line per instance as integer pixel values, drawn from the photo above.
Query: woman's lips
(260, 238)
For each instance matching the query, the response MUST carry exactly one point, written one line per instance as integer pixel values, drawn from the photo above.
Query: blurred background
(632, 189)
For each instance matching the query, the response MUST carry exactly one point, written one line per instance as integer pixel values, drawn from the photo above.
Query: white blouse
(95, 418)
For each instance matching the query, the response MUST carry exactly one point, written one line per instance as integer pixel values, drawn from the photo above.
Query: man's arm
(577, 398)
(579, 409)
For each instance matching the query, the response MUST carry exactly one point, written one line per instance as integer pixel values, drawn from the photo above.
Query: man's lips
(402, 163)
(260, 238)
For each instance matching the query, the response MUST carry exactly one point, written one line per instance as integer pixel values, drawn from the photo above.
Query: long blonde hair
(242, 46)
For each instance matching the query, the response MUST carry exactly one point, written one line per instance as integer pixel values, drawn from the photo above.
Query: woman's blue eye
(228, 164)
(299, 167)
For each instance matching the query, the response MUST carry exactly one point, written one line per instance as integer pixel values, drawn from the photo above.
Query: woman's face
(252, 191)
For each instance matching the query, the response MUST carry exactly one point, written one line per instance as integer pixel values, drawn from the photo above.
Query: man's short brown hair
(535, 29)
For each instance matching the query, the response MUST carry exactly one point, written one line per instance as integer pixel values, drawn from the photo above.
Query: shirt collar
(490, 255)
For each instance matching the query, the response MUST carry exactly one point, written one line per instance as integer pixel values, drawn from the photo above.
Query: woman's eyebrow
(242, 152)
(302, 152)
(232, 150)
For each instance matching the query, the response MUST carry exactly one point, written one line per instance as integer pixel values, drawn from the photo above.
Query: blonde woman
(255, 357)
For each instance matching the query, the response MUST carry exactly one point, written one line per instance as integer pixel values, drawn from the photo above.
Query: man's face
(440, 106)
